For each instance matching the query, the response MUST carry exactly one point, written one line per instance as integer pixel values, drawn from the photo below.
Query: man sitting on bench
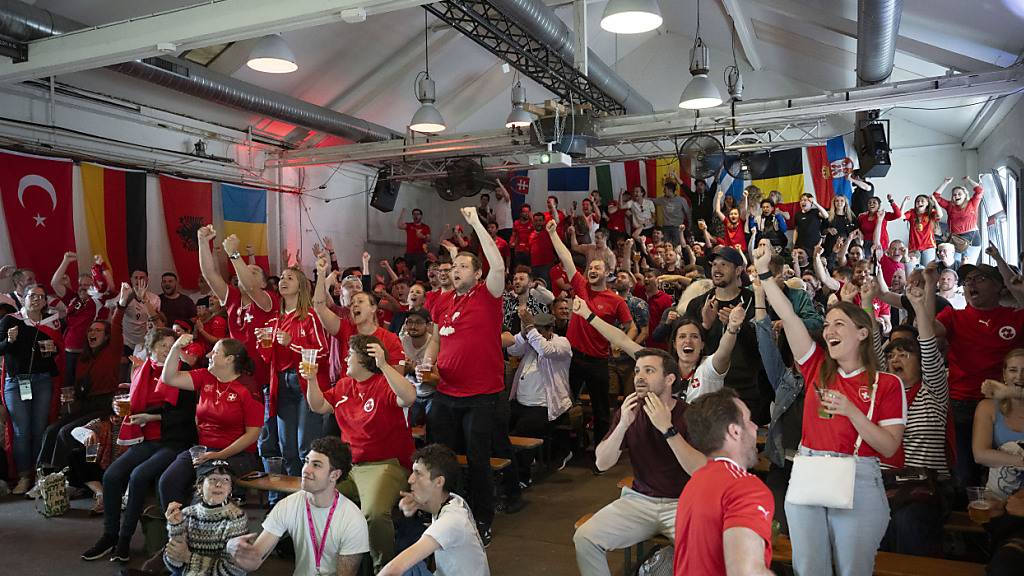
(650, 425)
(452, 536)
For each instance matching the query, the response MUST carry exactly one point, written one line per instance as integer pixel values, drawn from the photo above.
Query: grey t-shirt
(674, 210)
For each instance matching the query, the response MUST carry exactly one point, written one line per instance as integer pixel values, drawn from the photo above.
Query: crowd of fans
(690, 324)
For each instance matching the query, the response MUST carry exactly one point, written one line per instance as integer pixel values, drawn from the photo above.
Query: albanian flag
(188, 206)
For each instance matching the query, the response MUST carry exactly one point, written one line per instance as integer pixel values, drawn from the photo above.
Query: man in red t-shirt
(724, 518)
(83, 307)
(657, 302)
(417, 242)
(590, 350)
(368, 403)
(522, 229)
(979, 336)
(471, 366)
(542, 252)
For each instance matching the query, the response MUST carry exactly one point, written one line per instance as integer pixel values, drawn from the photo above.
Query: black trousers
(592, 372)
(57, 440)
(531, 422)
(469, 421)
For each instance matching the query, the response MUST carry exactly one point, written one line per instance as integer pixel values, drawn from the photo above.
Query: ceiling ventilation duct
(24, 23)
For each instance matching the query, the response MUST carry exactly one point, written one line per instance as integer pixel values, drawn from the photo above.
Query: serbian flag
(785, 173)
(115, 217)
(245, 216)
(35, 192)
(188, 206)
(827, 167)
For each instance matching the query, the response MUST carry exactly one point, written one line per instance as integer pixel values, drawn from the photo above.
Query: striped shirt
(924, 439)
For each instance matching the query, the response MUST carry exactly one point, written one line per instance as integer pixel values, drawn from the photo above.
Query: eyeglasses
(975, 278)
(218, 482)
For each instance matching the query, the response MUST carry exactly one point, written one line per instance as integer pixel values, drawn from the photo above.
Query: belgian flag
(115, 217)
(785, 173)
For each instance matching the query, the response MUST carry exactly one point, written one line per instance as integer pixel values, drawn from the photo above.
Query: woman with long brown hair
(850, 409)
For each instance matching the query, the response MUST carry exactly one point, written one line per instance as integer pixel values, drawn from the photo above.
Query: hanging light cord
(426, 45)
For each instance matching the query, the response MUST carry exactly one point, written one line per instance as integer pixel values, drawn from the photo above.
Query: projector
(551, 159)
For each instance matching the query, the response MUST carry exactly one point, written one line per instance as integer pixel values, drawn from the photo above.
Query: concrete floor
(536, 541)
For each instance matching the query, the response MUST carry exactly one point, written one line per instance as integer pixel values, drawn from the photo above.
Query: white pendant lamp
(519, 117)
(272, 55)
(631, 16)
(701, 92)
(428, 118)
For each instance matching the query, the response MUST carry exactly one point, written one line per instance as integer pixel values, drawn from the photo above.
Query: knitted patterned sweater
(207, 530)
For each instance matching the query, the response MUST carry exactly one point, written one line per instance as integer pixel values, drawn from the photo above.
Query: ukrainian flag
(245, 216)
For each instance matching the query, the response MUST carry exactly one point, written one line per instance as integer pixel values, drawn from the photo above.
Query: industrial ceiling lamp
(701, 92)
(272, 55)
(631, 16)
(519, 117)
(428, 118)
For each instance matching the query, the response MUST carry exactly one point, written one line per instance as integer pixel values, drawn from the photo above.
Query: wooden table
(889, 564)
(289, 484)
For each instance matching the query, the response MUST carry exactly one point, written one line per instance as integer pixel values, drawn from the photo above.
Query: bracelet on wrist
(591, 317)
(764, 275)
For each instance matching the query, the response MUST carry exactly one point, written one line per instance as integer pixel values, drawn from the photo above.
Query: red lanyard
(318, 549)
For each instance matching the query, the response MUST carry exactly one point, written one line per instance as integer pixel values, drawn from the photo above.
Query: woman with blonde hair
(999, 428)
(850, 409)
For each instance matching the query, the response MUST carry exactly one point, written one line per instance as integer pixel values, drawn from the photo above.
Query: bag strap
(871, 411)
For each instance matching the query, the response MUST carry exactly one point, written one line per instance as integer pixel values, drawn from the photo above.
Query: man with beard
(724, 518)
(526, 292)
(598, 250)
(950, 289)
(542, 251)
(590, 350)
(173, 304)
(651, 425)
(437, 298)
(712, 310)
(417, 241)
(561, 309)
(522, 229)
(980, 335)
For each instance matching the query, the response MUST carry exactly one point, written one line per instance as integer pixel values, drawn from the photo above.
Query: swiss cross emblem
(208, 388)
(232, 397)
(1007, 333)
(369, 405)
(864, 393)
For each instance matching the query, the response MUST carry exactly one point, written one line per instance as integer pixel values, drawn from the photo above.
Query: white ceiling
(804, 47)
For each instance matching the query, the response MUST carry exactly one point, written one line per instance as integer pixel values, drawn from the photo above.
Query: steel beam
(173, 31)
(746, 36)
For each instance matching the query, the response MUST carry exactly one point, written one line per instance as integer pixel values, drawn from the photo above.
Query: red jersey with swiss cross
(470, 360)
(224, 411)
(371, 421)
(607, 305)
(413, 242)
(981, 338)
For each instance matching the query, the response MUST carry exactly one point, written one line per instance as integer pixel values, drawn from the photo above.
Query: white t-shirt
(462, 551)
(134, 324)
(347, 535)
(642, 213)
(704, 381)
(503, 212)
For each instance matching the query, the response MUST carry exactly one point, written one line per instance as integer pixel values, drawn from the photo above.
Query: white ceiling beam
(233, 57)
(743, 31)
(184, 29)
(473, 95)
(846, 27)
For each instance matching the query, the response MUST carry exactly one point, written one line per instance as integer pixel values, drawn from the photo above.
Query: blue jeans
(965, 471)
(848, 538)
(137, 471)
(28, 418)
(297, 424)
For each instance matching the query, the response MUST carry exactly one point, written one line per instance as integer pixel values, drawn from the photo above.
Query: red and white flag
(37, 201)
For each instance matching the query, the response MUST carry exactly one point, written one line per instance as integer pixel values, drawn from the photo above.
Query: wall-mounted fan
(701, 156)
(466, 177)
(748, 165)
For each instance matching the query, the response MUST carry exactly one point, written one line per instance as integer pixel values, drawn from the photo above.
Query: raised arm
(824, 277)
(401, 219)
(208, 265)
(246, 279)
(564, 256)
(171, 375)
(937, 194)
(722, 358)
(57, 281)
(400, 385)
(615, 337)
(800, 341)
(718, 204)
(330, 320)
(496, 274)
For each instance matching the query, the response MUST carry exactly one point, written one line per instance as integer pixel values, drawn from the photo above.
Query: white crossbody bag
(826, 480)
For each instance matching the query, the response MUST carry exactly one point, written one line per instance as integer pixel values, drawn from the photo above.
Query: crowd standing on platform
(885, 380)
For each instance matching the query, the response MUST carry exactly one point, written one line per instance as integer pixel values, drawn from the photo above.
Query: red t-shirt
(979, 339)
(838, 434)
(371, 421)
(413, 243)
(962, 219)
(880, 307)
(889, 267)
(437, 302)
(558, 274)
(242, 322)
(608, 306)
(922, 230)
(542, 251)
(224, 410)
(522, 231)
(81, 313)
(720, 495)
(308, 333)
(733, 234)
(617, 221)
(392, 345)
(867, 225)
(470, 361)
(656, 306)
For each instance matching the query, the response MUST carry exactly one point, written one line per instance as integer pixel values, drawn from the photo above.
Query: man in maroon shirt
(651, 425)
(417, 242)
(590, 350)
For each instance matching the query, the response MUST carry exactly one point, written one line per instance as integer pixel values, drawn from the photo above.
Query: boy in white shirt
(452, 536)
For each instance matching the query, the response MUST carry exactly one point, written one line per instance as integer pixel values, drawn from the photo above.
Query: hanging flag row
(36, 195)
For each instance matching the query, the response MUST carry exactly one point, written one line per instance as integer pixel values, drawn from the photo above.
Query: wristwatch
(234, 255)
(765, 275)
(670, 432)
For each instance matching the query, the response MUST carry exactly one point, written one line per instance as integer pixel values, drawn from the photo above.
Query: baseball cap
(214, 466)
(727, 253)
(543, 319)
(984, 269)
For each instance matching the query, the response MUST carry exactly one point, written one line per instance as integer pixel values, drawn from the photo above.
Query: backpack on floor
(657, 562)
(53, 494)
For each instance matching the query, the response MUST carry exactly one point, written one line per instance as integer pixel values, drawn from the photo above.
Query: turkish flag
(188, 206)
(36, 196)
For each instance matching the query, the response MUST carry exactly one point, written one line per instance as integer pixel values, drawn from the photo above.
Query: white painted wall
(1006, 142)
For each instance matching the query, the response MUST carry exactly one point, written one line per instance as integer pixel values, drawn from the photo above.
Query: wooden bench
(521, 442)
(889, 564)
(496, 463)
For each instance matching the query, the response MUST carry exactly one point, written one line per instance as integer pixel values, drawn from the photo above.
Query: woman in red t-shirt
(962, 216)
(228, 416)
(922, 221)
(850, 408)
(868, 221)
(295, 328)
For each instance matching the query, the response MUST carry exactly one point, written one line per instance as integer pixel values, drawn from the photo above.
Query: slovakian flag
(115, 217)
(188, 206)
(35, 192)
(245, 216)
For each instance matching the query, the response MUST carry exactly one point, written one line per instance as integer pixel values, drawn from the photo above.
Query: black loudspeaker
(873, 150)
(385, 192)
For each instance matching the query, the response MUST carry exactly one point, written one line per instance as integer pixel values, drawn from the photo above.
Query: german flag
(115, 217)
(785, 173)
